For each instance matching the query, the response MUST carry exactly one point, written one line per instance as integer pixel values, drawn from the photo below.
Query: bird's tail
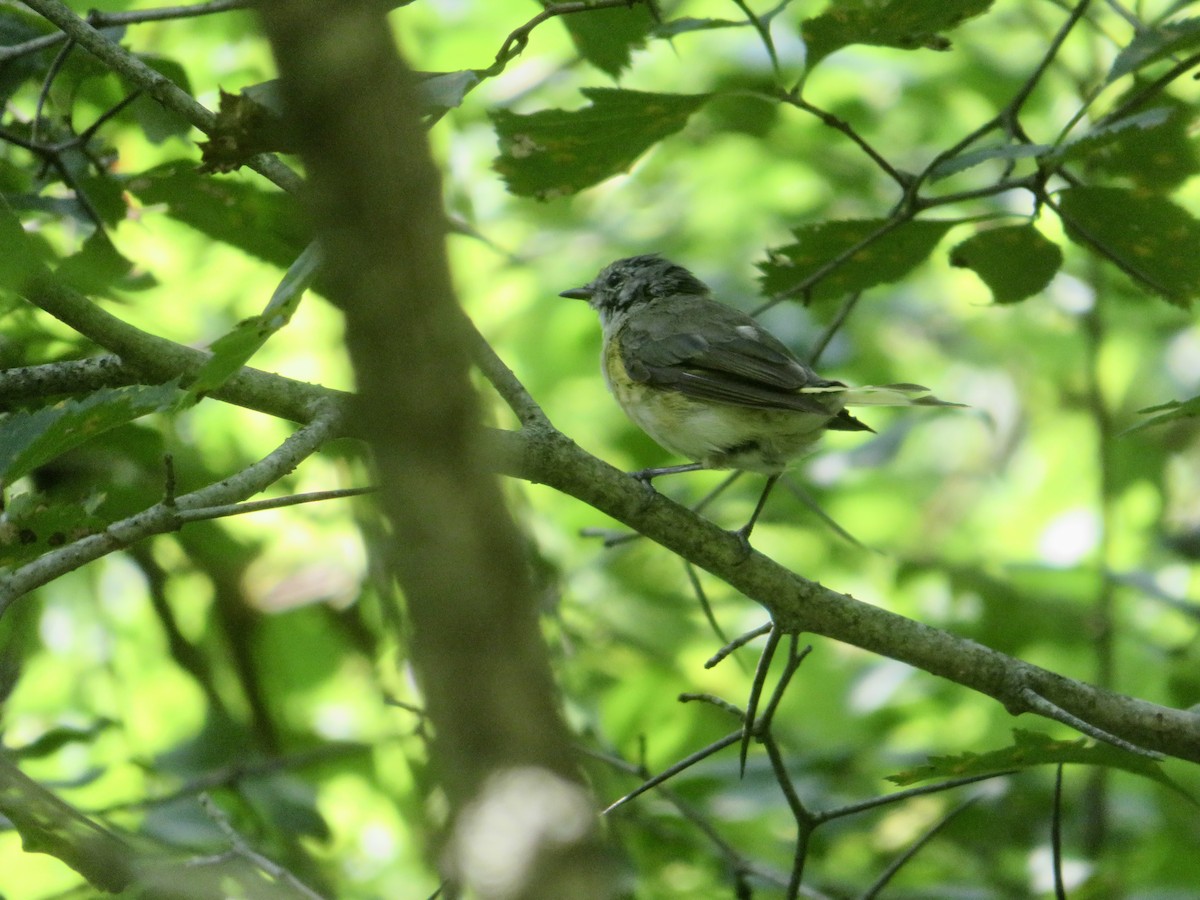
(890, 395)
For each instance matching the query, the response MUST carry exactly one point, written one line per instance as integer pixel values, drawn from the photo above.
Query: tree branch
(797, 604)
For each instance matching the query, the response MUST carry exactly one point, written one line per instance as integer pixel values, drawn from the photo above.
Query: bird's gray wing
(711, 352)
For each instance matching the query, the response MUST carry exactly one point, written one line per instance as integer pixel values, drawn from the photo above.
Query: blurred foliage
(1012, 227)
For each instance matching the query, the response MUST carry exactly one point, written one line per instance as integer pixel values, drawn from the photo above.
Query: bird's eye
(613, 280)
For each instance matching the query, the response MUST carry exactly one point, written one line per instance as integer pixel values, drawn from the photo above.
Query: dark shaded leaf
(159, 123)
(1154, 44)
(96, 267)
(1110, 132)
(882, 261)
(1015, 262)
(904, 24)
(1168, 412)
(267, 224)
(554, 153)
(1149, 237)
(30, 438)
(1158, 158)
(607, 37)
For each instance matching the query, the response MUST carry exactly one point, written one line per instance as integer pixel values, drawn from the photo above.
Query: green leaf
(96, 267)
(231, 351)
(1159, 157)
(1110, 132)
(29, 439)
(554, 153)
(1152, 45)
(437, 91)
(1015, 262)
(1147, 236)
(157, 122)
(607, 37)
(905, 24)
(32, 526)
(1032, 748)
(267, 224)
(1167, 412)
(685, 24)
(55, 739)
(1006, 152)
(882, 261)
(22, 256)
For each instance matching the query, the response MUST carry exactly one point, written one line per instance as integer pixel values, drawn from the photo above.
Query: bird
(709, 383)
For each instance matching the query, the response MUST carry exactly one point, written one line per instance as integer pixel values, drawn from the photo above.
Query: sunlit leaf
(554, 153)
(30, 438)
(905, 24)
(888, 258)
(1015, 262)
(231, 351)
(1148, 236)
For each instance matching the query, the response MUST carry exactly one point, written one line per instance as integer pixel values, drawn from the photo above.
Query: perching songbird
(709, 383)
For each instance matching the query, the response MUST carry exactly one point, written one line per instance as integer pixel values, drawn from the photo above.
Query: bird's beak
(579, 293)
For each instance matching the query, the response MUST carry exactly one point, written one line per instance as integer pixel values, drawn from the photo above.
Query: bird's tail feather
(887, 395)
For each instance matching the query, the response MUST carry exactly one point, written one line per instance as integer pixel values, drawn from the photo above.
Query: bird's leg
(743, 533)
(645, 476)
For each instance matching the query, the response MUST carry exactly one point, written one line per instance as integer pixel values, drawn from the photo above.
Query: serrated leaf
(1158, 158)
(607, 37)
(1032, 748)
(554, 153)
(29, 439)
(904, 24)
(887, 259)
(1110, 132)
(1015, 261)
(1149, 237)
(986, 154)
(232, 350)
(267, 224)
(1167, 412)
(95, 267)
(1154, 44)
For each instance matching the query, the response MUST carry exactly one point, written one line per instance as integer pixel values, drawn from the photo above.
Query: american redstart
(709, 383)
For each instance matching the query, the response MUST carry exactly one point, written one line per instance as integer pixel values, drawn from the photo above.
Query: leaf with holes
(904, 24)
(554, 153)
(1015, 262)
(809, 262)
